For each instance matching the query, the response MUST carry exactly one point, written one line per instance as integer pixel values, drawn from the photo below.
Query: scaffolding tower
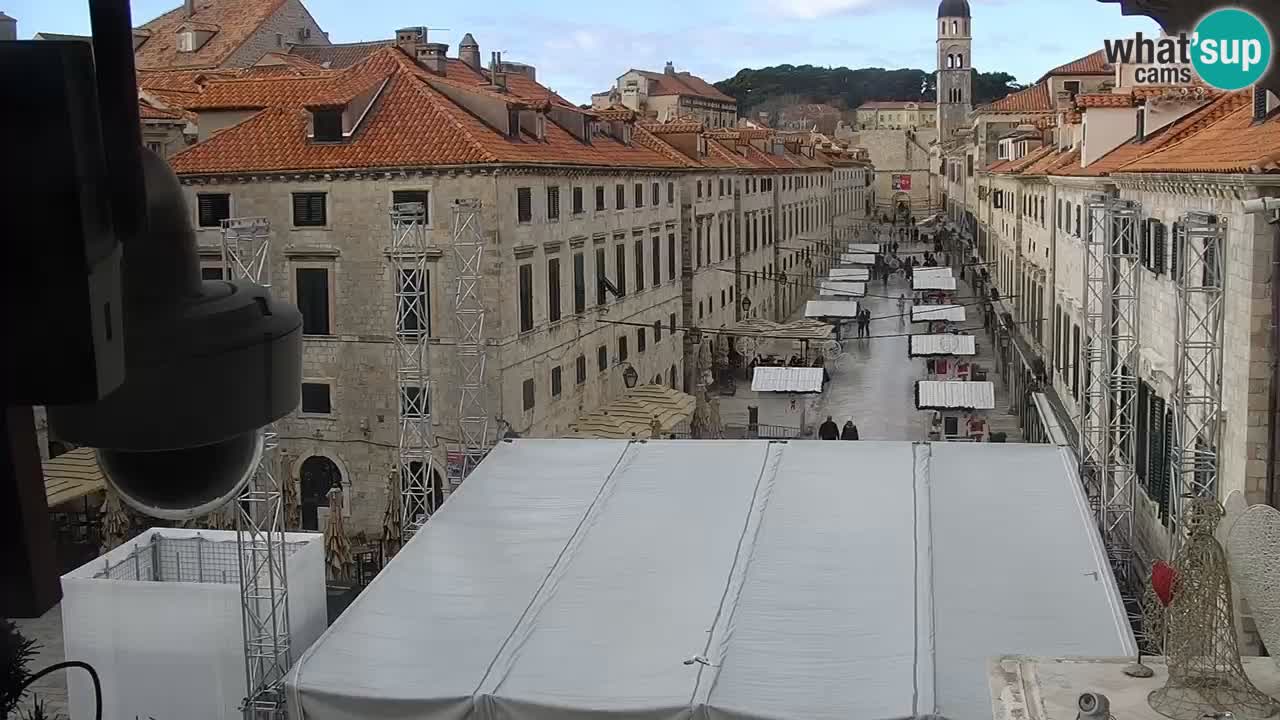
(1199, 244)
(471, 349)
(264, 594)
(415, 461)
(1109, 434)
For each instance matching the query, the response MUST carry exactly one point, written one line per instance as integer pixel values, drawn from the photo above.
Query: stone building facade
(896, 115)
(904, 175)
(670, 95)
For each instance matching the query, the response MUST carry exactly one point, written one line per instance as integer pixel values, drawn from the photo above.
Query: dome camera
(208, 364)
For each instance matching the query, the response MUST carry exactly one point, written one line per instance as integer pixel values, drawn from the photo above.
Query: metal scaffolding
(471, 350)
(1110, 357)
(264, 592)
(1199, 242)
(415, 461)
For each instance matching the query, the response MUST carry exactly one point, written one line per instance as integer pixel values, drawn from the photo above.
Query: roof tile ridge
(446, 107)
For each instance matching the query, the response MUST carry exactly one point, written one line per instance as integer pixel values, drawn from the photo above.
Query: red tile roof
(682, 83)
(1095, 63)
(337, 57)
(276, 63)
(233, 22)
(1105, 100)
(187, 81)
(1222, 139)
(147, 111)
(896, 105)
(1034, 99)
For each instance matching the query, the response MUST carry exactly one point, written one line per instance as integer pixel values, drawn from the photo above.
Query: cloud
(814, 9)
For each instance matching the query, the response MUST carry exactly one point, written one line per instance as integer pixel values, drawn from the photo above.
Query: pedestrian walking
(829, 430)
(850, 431)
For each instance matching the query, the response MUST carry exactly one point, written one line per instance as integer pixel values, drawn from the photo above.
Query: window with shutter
(639, 195)
(671, 256)
(553, 203)
(312, 296)
(620, 254)
(1157, 246)
(309, 209)
(640, 339)
(580, 369)
(620, 197)
(655, 249)
(1144, 250)
(1209, 275)
(556, 379)
(654, 195)
(601, 276)
(639, 245)
(1175, 266)
(1142, 431)
(579, 283)
(213, 208)
(1161, 450)
(526, 297)
(524, 205)
(602, 358)
(528, 392)
(577, 201)
(657, 331)
(553, 289)
(599, 197)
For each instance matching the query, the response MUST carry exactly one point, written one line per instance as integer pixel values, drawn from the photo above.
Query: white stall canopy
(831, 308)
(946, 344)
(841, 289)
(933, 313)
(932, 282)
(863, 248)
(955, 395)
(858, 259)
(932, 272)
(787, 379)
(727, 579)
(846, 274)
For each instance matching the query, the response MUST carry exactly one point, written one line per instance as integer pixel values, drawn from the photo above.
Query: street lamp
(746, 305)
(630, 377)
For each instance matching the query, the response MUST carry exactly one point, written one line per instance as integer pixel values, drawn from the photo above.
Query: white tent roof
(942, 344)
(863, 248)
(820, 581)
(858, 274)
(932, 272)
(831, 308)
(787, 379)
(932, 282)
(858, 258)
(955, 395)
(840, 288)
(931, 313)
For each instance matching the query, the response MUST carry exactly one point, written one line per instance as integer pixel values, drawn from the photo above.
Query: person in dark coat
(850, 431)
(829, 430)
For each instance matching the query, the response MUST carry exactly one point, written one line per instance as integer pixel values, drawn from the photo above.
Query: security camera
(207, 364)
(1260, 205)
(1093, 706)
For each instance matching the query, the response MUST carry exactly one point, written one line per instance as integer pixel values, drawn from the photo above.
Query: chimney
(8, 27)
(469, 52)
(432, 56)
(670, 69)
(1259, 103)
(497, 78)
(189, 6)
(409, 38)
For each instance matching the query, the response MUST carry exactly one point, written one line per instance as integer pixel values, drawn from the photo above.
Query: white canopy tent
(858, 259)
(725, 579)
(944, 344)
(932, 272)
(955, 395)
(862, 248)
(932, 313)
(933, 282)
(831, 308)
(787, 379)
(837, 288)
(858, 274)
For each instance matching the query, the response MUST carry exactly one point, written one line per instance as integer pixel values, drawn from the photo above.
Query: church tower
(955, 67)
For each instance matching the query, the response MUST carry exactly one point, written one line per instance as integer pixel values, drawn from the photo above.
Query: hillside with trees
(772, 88)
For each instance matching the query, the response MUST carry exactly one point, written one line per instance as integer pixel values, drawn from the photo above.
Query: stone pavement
(46, 630)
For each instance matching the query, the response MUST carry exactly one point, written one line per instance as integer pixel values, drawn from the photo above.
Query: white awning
(787, 379)
(862, 248)
(955, 395)
(943, 344)
(817, 580)
(931, 313)
(842, 289)
(831, 308)
(849, 274)
(858, 259)
(934, 282)
(932, 272)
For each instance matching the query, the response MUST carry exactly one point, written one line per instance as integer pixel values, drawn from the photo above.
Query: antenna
(426, 29)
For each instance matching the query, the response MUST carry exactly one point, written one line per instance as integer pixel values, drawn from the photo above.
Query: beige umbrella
(289, 499)
(337, 546)
(117, 526)
(392, 534)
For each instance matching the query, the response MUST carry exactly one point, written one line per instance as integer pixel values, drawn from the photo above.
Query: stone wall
(899, 152)
(279, 32)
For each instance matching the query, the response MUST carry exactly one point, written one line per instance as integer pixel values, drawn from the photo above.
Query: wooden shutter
(1144, 252)
(1175, 269)
(1161, 421)
(1158, 246)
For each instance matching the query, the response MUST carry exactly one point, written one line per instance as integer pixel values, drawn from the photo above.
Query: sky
(579, 48)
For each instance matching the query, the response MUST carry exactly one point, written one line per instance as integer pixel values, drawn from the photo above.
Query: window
(415, 401)
(312, 286)
(640, 340)
(316, 398)
(721, 226)
(211, 272)
(413, 293)
(580, 369)
(599, 197)
(555, 381)
(421, 197)
(528, 392)
(600, 276)
(639, 195)
(1158, 244)
(577, 201)
(1077, 232)
(722, 298)
(655, 196)
(671, 193)
(622, 349)
(671, 323)
(309, 209)
(524, 205)
(326, 125)
(579, 283)
(969, 163)
(553, 202)
(602, 358)
(526, 297)
(639, 244)
(212, 209)
(671, 256)
(620, 254)
(657, 331)
(1075, 361)
(655, 248)
(553, 289)
(620, 196)
(699, 189)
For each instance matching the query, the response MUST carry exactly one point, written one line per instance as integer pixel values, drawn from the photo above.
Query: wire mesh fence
(188, 559)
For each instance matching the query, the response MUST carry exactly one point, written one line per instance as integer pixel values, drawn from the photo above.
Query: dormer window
(186, 41)
(327, 125)
(513, 124)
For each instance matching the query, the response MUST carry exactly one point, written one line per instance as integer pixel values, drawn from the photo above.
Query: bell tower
(955, 67)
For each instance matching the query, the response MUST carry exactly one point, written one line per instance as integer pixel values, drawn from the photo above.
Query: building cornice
(405, 173)
(1237, 186)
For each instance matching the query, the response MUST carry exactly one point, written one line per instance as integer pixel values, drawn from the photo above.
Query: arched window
(955, 28)
(960, 60)
(319, 474)
(951, 60)
(942, 29)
